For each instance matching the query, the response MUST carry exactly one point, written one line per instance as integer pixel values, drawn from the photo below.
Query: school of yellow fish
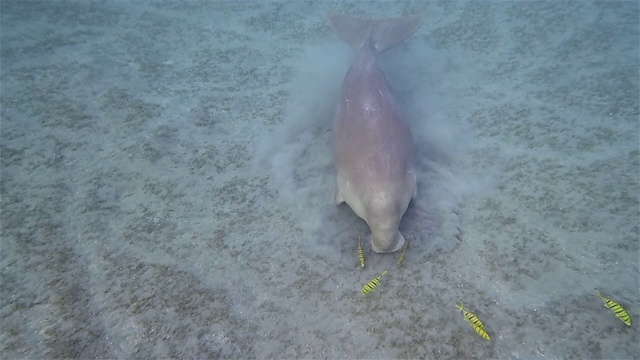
(475, 323)
(617, 309)
(373, 284)
(360, 253)
(471, 318)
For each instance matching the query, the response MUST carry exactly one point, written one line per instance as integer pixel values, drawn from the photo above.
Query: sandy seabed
(166, 182)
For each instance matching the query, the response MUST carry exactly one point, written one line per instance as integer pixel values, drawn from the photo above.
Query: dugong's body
(372, 144)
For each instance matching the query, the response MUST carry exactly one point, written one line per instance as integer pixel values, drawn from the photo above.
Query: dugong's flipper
(337, 197)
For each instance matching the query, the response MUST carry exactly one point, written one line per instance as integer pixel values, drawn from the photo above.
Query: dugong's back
(373, 147)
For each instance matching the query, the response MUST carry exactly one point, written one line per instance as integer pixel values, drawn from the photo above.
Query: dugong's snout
(386, 241)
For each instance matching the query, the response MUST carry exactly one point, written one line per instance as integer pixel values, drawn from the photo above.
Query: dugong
(373, 149)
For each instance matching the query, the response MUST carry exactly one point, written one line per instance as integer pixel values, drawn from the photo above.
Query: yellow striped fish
(617, 309)
(360, 253)
(476, 324)
(373, 284)
(404, 253)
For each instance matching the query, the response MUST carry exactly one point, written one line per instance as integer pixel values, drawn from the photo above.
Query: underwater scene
(320, 179)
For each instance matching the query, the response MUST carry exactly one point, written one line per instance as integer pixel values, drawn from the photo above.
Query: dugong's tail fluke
(384, 33)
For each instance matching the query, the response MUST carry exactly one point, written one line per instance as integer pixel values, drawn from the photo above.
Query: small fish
(373, 284)
(360, 253)
(404, 253)
(476, 324)
(617, 309)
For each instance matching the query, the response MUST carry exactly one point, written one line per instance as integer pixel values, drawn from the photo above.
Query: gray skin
(373, 147)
